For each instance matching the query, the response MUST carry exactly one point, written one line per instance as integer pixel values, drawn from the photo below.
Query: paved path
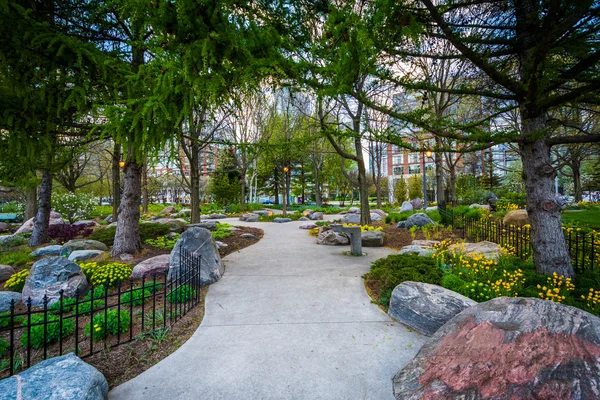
(288, 320)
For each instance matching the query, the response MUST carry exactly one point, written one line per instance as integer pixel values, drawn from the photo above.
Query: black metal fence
(103, 317)
(583, 246)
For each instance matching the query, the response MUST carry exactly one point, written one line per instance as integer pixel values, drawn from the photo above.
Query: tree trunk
(276, 187)
(452, 184)
(31, 205)
(363, 189)
(550, 253)
(318, 195)
(41, 221)
(194, 182)
(127, 237)
(116, 181)
(243, 187)
(284, 199)
(145, 197)
(576, 169)
(439, 176)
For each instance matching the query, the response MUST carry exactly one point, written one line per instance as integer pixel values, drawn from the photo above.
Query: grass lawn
(588, 218)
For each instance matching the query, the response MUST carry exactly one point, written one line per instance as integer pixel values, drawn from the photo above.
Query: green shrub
(147, 231)
(53, 331)
(454, 283)
(153, 287)
(4, 345)
(106, 273)
(84, 307)
(114, 320)
(136, 297)
(182, 294)
(163, 242)
(397, 268)
(5, 320)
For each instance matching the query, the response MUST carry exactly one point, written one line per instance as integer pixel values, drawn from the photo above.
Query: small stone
(281, 220)
(6, 271)
(309, 225)
(168, 210)
(331, 238)
(303, 219)
(126, 257)
(316, 216)
(82, 244)
(217, 216)
(354, 210)
(220, 244)
(87, 222)
(423, 251)
(247, 236)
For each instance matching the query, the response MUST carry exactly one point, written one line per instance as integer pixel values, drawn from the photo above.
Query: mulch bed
(397, 238)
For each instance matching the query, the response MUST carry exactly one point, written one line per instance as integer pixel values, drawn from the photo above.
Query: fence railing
(584, 247)
(103, 317)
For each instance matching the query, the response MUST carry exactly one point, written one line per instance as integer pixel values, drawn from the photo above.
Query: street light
(286, 169)
(427, 153)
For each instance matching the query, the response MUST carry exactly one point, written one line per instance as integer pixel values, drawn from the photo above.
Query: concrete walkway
(288, 320)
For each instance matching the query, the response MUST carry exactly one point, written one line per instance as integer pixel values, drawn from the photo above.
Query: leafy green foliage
(106, 273)
(225, 183)
(147, 231)
(401, 191)
(17, 257)
(136, 297)
(53, 330)
(5, 319)
(4, 345)
(17, 280)
(415, 187)
(115, 320)
(182, 294)
(164, 242)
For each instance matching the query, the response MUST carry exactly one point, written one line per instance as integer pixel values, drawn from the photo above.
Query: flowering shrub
(557, 289)
(592, 301)
(106, 274)
(111, 323)
(74, 206)
(17, 281)
(365, 228)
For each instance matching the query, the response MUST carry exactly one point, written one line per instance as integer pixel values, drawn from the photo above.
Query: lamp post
(428, 154)
(286, 169)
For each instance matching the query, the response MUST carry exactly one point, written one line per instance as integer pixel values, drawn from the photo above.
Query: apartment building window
(414, 158)
(395, 149)
(429, 167)
(398, 170)
(398, 159)
(414, 169)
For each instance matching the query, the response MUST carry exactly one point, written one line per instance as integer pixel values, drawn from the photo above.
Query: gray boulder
(351, 219)
(381, 213)
(80, 255)
(428, 243)
(316, 216)
(331, 238)
(186, 212)
(419, 220)
(508, 348)
(303, 219)
(168, 210)
(82, 244)
(49, 276)
(406, 206)
(425, 307)
(53, 250)
(6, 298)
(199, 242)
(354, 210)
(55, 219)
(260, 212)
(432, 208)
(151, 266)
(108, 219)
(217, 216)
(88, 222)
(66, 378)
(417, 203)
(126, 257)
(4, 226)
(220, 244)
(282, 220)
(308, 225)
(424, 251)
(375, 217)
(175, 225)
(210, 225)
(489, 250)
(372, 238)
(6, 271)
(251, 217)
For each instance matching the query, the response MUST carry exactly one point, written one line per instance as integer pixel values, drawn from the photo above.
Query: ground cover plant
(147, 231)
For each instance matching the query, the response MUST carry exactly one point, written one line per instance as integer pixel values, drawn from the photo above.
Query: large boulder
(375, 217)
(406, 206)
(331, 238)
(168, 210)
(419, 220)
(424, 307)
(6, 271)
(151, 266)
(351, 218)
(65, 377)
(175, 225)
(516, 217)
(80, 255)
(53, 250)
(49, 276)
(199, 242)
(262, 212)
(308, 225)
(282, 220)
(316, 216)
(251, 217)
(210, 225)
(489, 250)
(372, 238)
(217, 216)
(380, 212)
(8, 298)
(354, 210)
(82, 244)
(55, 219)
(423, 251)
(417, 203)
(505, 349)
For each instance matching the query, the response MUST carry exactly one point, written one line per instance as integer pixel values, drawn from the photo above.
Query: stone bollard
(355, 237)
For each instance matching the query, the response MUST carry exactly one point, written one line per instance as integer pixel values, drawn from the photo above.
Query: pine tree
(415, 187)
(225, 184)
(400, 191)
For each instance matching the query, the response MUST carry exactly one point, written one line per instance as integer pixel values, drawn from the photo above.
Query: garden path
(288, 320)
